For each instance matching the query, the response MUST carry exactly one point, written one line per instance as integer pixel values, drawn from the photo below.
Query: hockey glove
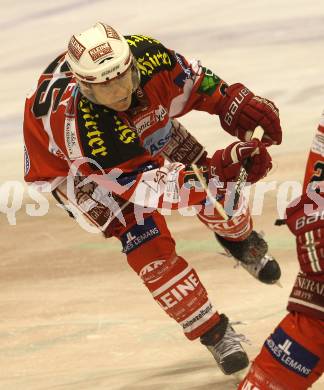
(226, 163)
(305, 219)
(241, 112)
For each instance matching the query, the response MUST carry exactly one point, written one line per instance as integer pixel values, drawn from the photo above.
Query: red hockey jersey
(61, 126)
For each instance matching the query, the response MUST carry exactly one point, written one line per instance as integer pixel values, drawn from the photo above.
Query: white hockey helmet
(98, 54)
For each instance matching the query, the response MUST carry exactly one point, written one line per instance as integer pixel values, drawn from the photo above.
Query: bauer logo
(291, 354)
(139, 234)
(234, 106)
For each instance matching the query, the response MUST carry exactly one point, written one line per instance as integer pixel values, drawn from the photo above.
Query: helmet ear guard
(98, 54)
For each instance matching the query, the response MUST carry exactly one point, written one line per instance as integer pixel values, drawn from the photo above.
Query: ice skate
(224, 344)
(252, 255)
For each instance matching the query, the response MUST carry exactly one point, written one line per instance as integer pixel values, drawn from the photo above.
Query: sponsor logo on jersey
(310, 287)
(145, 123)
(26, 161)
(153, 61)
(134, 40)
(179, 291)
(75, 48)
(153, 271)
(209, 83)
(139, 234)
(186, 73)
(95, 141)
(160, 113)
(125, 133)
(181, 61)
(156, 141)
(197, 317)
(101, 51)
(71, 139)
(292, 355)
(150, 119)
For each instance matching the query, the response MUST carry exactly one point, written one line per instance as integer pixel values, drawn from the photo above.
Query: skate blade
(278, 283)
(239, 376)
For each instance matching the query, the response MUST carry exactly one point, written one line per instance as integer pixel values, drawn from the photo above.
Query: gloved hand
(241, 112)
(226, 163)
(305, 221)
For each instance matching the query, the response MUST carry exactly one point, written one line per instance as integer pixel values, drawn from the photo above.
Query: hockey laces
(230, 343)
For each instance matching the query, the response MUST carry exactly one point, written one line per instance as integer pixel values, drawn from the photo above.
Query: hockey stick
(239, 185)
(242, 177)
(217, 205)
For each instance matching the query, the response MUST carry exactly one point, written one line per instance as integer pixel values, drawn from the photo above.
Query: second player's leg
(292, 358)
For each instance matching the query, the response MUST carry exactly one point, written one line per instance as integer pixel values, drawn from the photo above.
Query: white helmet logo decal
(75, 48)
(98, 52)
(111, 33)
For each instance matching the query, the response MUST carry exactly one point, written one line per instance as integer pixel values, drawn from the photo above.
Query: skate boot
(252, 254)
(224, 344)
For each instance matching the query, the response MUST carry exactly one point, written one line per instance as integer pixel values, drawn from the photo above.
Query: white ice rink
(65, 321)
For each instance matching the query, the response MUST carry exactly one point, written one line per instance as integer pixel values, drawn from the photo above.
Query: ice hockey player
(102, 117)
(292, 358)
